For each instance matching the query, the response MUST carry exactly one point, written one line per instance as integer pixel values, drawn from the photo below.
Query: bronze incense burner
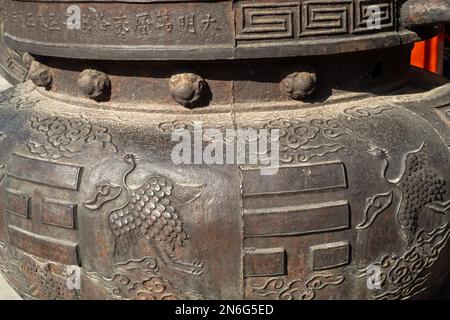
(94, 207)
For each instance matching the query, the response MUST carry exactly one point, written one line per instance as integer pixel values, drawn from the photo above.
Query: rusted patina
(198, 30)
(95, 206)
(416, 13)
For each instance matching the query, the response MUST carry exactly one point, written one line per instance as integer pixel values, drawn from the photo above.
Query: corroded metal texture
(199, 30)
(416, 13)
(12, 66)
(93, 205)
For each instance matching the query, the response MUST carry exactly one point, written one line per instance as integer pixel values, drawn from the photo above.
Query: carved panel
(189, 29)
(270, 222)
(45, 193)
(268, 20)
(58, 213)
(44, 172)
(322, 176)
(18, 202)
(149, 211)
(330, 255)
(311, 18)
(264, 262)
(54, 249)
(322, 217)
(327, 18)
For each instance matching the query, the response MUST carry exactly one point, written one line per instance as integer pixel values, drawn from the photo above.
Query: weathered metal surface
(416, 13)
(150, 83)
(12, 67)
(198, 30)
(91, 193)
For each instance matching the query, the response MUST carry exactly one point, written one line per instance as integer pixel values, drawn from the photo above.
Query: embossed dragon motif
(418, 188)
(66, 137)
(279, 288)
(149, 212)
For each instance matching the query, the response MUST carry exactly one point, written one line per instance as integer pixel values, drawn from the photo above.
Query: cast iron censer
(94, 207)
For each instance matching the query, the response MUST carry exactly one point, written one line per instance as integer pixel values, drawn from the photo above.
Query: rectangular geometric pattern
(18, 203)
(333, 17)
(264, 262)
(292, 20)
(330, 255)
(58, 213)
(65, 252)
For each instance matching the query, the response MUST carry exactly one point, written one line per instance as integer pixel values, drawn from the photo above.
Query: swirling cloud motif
(374, 206)
(280, 288)
(359, 112)
(402, 277)
(66, 137)
(105, 192)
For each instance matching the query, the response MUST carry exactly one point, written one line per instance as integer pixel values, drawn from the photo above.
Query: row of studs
(185, 88)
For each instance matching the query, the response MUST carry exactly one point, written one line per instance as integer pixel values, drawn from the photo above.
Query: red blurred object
(429, 54)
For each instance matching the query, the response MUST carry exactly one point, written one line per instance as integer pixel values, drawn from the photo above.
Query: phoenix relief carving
(149, 211)
(418, 189)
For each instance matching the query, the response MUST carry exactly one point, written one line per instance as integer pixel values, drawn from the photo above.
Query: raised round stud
(300, 84)
(187, 88)
(94, 84)
(40, 74)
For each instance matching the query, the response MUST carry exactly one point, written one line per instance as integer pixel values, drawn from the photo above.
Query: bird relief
(417, 188)
(149, 211)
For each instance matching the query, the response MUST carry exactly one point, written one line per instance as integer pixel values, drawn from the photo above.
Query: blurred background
(434, 54)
